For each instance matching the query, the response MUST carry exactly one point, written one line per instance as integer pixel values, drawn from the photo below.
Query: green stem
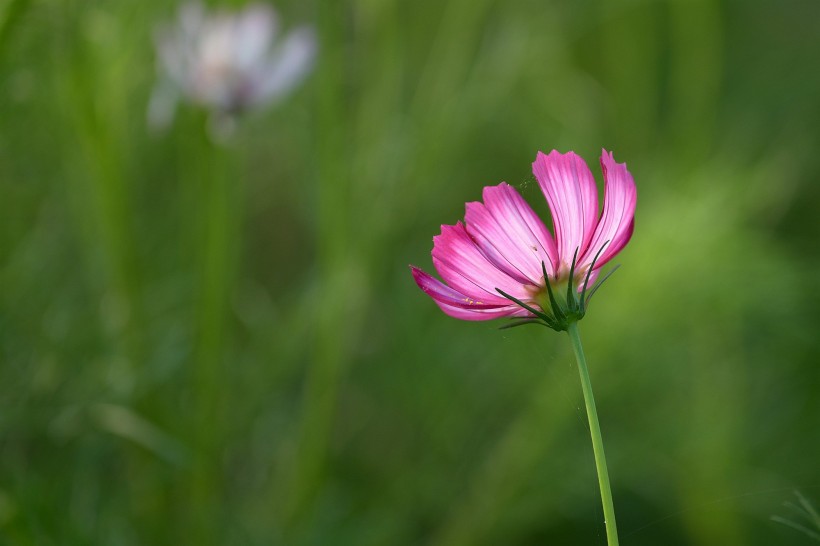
(595, 432)
(216, 212)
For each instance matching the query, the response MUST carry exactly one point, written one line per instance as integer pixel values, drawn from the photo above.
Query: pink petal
(618, 218)
(572, 196)
(466, 269)
(511, 235)
(446, 295)
(479, 314)
(459, 306)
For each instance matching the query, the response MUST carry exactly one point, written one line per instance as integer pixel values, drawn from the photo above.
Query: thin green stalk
(595, 432)
(217, 244)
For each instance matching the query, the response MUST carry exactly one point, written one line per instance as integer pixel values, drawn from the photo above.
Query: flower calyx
(558, 303)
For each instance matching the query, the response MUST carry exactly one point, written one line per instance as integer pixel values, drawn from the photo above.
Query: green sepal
(571, 296)
(522, 322)
(520, 303)
(585, 300)
(560, 317)
(545, 319)
(601, 281)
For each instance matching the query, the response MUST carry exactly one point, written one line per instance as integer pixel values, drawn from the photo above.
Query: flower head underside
(502, 261)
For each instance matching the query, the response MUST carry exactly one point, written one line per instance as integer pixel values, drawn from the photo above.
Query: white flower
(227, 62)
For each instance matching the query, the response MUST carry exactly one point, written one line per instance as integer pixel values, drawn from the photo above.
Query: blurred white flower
(227, 62)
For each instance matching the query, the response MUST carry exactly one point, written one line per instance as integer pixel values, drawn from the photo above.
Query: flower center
(540, 294)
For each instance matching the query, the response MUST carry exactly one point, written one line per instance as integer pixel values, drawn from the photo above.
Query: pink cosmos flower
(504, 262)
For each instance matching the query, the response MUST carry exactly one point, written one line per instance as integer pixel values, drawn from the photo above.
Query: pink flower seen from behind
(504, 247)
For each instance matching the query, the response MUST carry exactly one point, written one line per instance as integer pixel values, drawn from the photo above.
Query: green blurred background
(222, 344)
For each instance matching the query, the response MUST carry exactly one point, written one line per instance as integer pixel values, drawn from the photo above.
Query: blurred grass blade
(126, 423)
